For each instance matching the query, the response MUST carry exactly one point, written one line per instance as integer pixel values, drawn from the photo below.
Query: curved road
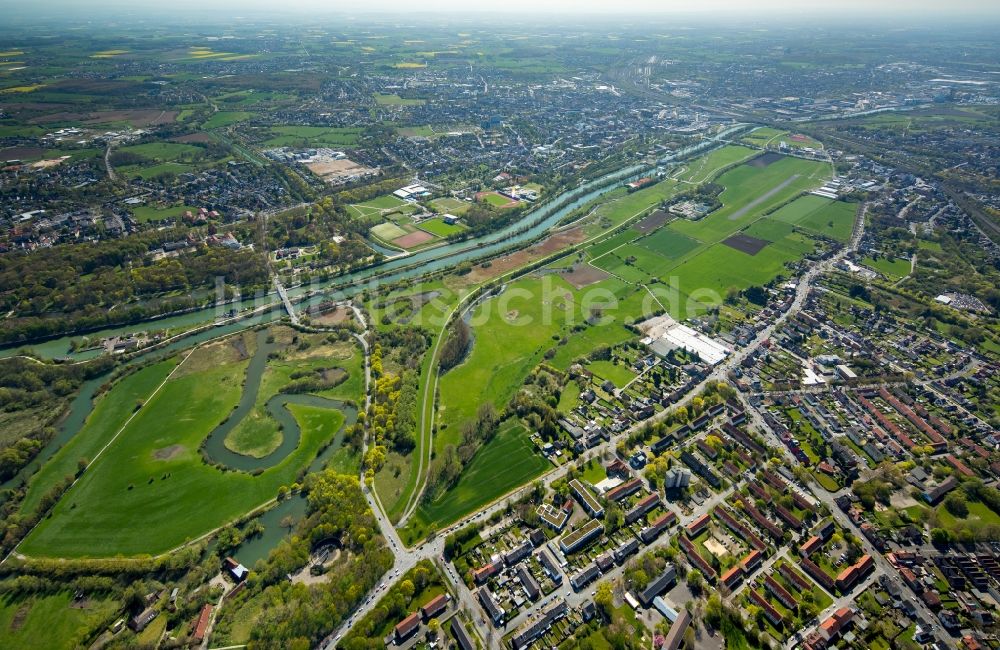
(433, 548)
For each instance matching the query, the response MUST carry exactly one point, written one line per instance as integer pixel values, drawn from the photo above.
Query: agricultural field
(706, 259)
(145, 492)
(668, 244)
(750, 191)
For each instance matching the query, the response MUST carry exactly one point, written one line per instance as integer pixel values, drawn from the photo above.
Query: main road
(433, 548)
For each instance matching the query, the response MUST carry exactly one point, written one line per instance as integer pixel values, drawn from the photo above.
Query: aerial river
(534, 224)
(215, 445)
(531, 227)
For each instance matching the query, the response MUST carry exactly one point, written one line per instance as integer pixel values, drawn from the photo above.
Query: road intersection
(432, 548)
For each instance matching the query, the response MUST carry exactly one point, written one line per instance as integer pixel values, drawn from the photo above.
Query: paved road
(433, 549)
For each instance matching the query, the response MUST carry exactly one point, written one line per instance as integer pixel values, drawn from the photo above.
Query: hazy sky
(524, 8)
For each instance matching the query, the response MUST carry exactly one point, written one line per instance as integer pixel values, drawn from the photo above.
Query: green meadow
(226, 118)
(819, 216)
(51, 621)
(151, 490)
(312, 136)
(505, 463)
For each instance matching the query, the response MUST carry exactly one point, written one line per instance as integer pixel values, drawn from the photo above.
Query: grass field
(166, 158)
(226, 118)
(313, 136)
(622, 207)
(762, 136)
(695, 269)
(165, 151)
(388, 231)
(437, 226)
(50, 621)
(259, 433)
(512, 332)
(668, 243)
(979, 515)
(147, 492)
(610, 330)
(819, 216)
(609, 244)
(533, 318)
(150, 213)
(415, 131)
(506, 462)
(892, 269)
(496, 200)
(109, 414)
(751, 192)
(386, 203)
(449, 205)
(617, 373)
(705, 167)
(396, 100)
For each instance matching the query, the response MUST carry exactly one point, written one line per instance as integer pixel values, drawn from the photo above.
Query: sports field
(414, 239)
(496, 200)
(456, 207)
(437, 226)
(388, 231)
